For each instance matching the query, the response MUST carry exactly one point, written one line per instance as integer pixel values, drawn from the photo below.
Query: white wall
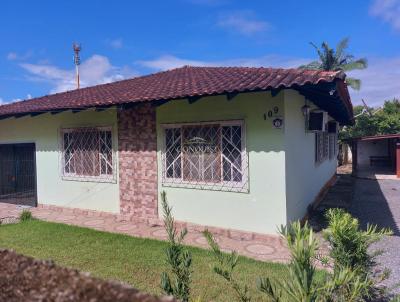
(304, 178)
(44, 131)
(365, 149)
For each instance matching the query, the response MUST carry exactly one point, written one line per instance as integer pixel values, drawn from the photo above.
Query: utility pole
(77, 61)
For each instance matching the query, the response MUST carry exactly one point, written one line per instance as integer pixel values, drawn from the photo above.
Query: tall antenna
(77, 61)
(367, 109)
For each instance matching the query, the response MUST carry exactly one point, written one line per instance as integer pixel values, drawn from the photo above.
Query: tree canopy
(337, 59)
(375, 121)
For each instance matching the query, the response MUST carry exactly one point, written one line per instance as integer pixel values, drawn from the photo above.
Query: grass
(136, 261)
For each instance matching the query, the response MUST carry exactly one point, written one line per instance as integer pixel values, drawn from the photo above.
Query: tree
(385, 120)
(335, 60)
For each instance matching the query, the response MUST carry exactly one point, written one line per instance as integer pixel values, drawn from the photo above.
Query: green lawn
(133, 260)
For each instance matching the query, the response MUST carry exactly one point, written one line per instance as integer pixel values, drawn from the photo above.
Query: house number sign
(272, 112)
(277, 123)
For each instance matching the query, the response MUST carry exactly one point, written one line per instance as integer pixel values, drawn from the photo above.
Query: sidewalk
(263, 247)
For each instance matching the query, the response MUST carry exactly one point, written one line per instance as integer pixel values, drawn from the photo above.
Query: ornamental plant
(302, 284)
(350, 246)
(225, 267)
(177, 282)
(25, 216)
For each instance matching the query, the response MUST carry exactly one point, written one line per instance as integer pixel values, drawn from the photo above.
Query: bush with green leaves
(349, 280)
(349, 243)
(25, 215)
(302, 285)
(178, 258)
(225, 267)
(350, 246)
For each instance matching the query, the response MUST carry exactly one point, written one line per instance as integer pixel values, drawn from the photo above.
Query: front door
(18, 174)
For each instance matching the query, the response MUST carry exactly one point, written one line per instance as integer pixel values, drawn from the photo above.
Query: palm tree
(334, 60)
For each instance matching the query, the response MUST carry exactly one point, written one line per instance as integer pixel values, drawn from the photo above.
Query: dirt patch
(26, 279)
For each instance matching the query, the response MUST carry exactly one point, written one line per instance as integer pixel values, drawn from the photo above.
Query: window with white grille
(87, 154)
(206, 156)
(332, 145)
(321, 146)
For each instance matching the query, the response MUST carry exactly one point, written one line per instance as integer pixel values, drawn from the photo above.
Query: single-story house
(233, 147)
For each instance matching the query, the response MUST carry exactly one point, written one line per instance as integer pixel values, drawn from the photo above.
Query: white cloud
(95, 70)
(116, 43)
(4, 102)
(388, 10)
(168, 62)
(243, 22)
(11, 56)
(380, 81)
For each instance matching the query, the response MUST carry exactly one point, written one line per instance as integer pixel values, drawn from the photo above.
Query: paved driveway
(378, 202)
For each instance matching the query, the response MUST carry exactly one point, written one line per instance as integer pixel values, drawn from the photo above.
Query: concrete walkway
(378, 202)
(265, 248)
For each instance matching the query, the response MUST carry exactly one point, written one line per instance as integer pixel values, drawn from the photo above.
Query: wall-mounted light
(305, 110)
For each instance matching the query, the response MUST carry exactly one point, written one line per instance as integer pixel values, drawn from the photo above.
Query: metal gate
(18, 174)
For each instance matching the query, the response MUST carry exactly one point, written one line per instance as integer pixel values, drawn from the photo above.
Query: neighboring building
(230, 146)
(376, 156)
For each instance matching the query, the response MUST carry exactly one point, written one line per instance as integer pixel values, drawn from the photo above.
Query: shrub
(226, 264)
(300, 284)
(344, 285)
(349, 244)
(178, 258)
(350, 247)
(25, 215)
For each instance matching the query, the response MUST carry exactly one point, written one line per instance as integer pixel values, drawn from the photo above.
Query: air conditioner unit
(333, 127)
(317, 121)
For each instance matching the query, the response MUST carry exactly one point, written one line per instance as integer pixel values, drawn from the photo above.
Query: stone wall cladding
(137, 145)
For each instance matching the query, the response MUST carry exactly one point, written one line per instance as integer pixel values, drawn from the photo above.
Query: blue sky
(122, 39)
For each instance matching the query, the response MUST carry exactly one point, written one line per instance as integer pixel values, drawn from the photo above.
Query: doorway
(18, 174)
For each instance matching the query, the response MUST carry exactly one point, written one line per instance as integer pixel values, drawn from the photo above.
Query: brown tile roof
(181, 83)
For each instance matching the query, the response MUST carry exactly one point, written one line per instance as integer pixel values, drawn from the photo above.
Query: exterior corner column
(398, 159)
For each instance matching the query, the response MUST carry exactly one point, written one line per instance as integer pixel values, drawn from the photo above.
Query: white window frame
(229, 186)
(325, 147)
(101, 178)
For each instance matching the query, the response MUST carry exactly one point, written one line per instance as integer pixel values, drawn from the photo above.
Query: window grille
(321, 146)
(205, 156)
(87, 154)
(332, 145)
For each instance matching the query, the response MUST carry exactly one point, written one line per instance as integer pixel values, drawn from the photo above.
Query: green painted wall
(283, 178)
(304, 178)
(264, 207)
(43, 130)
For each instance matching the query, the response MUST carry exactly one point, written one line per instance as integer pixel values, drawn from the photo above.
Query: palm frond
(341, 47)
(320, 53)
(358, 64)
(354, 83)
(314, 65)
